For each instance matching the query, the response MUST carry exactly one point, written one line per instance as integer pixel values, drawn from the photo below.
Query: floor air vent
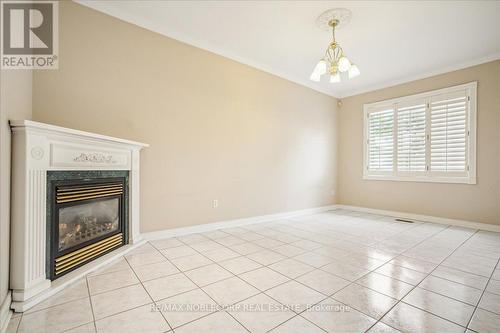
(403, 220)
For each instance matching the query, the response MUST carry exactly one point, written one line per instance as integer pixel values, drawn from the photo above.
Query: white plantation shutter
(380, 140)
(429, 137)
(449, 132)
(411, 137)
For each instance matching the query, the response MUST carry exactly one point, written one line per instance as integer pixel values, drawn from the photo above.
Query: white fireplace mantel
(36, 149)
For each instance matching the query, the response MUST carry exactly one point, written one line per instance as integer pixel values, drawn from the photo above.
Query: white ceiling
(390, 41)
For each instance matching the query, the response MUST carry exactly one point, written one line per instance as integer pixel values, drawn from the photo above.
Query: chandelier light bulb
(344, 64)
(320, 67)
(335, 78)
(353, 71)
(315, 76)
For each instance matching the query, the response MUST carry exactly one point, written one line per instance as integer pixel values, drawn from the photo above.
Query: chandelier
(334, 62)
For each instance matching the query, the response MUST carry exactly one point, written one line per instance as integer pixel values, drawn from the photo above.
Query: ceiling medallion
(334, 62)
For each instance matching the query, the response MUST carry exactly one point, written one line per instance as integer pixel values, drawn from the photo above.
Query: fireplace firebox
(87, 217)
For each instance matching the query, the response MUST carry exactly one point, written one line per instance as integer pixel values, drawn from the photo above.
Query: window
(381, 140)
(428, 137)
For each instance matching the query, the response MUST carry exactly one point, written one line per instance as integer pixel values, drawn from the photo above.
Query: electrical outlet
(215, 203)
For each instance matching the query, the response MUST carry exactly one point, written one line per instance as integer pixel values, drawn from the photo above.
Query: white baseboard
(232, 223)
(425, 218)
(5, 313)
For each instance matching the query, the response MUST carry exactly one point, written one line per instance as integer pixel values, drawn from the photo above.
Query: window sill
(448, 180)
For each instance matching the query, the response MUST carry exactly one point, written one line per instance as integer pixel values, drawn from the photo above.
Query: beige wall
(217, 129)
(478, 203)
(15, 102)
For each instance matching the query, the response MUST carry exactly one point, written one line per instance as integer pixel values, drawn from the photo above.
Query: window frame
(429, 176)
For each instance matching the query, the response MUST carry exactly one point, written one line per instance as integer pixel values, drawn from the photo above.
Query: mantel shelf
(23, 124)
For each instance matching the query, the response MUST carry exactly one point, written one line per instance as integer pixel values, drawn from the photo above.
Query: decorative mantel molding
(36, 149)
(95, 158)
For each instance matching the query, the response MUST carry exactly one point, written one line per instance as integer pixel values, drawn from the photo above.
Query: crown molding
(105, 8)
(109, 9)
(425, 75)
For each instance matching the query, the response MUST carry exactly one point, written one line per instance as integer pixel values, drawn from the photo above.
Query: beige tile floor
(338, 271)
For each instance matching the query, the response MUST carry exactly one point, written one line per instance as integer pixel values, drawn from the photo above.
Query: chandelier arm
(327, 54)
(334, 54)
(331, 55)
(341, 51)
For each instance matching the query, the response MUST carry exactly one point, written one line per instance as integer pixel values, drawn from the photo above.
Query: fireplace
(75, 206)
(86, 217)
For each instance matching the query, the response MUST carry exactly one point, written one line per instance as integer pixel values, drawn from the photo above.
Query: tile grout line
(200, 288)
(260, 291)
(437, 276)
(127, 286)
(73, 300)
(427, 275)
(216, 263)
(18, 324)
(328, 296)
(481, 297)
(62, 303)
(90, 301)
(212, 262)
(158, 250)
(351, 282)
(114, 289)
(147, 292)
(314, 268)
(235, 275)
(285, 243)
(280, 228)
(373, 271)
